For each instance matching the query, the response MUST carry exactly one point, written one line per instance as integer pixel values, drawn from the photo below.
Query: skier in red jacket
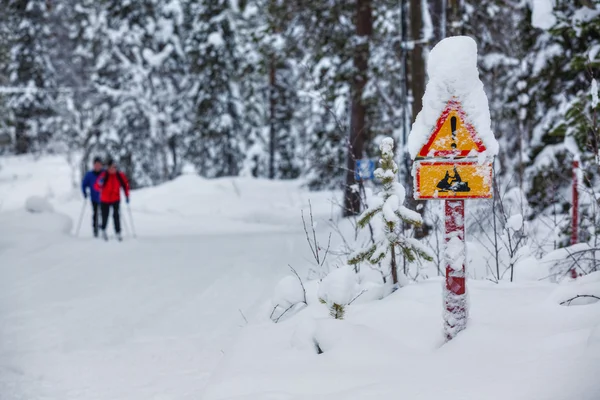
(109, 184)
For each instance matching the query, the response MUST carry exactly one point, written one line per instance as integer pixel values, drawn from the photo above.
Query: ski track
(147, 318)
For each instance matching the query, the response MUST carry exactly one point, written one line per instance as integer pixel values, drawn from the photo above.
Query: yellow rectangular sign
(453, 180)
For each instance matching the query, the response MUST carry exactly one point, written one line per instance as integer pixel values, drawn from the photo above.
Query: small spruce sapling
(387, 214)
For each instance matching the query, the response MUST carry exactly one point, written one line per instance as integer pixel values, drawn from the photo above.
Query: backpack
(119, 177)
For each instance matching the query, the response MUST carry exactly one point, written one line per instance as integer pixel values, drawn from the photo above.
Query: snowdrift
(520, 344)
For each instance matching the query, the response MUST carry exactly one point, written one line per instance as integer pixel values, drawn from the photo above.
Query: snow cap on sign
(452, 71)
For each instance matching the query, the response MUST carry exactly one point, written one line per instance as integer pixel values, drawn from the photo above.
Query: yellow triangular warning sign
(452, 135)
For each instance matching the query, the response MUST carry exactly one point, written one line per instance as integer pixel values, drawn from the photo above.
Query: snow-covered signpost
(453, 147)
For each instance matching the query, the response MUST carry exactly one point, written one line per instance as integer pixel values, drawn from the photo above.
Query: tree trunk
(417, 59)
(358, 131)
(437, 9)
(272, 105)
(172, 143)
(22, 141)
(417, 85)
(394, 266)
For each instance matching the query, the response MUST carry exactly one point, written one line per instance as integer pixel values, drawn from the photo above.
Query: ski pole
(80, 218)
(125, 224)
(131, 219)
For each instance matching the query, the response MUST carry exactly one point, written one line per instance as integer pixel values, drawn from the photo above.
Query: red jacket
(109, 185)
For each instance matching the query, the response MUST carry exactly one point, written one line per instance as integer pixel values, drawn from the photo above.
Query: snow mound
(515, 222)
(37, 204)
(513, 333)
(340, 286)
(453, 74)
(582, 291)
(288, 292)
(530, 269)
(559, 262)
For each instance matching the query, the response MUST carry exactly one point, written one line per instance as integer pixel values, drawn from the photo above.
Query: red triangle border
(456, 106)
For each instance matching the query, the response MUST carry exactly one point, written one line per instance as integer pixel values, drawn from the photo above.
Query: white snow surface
(515, 222)
(453, 74)
(38, 204)
(148, 318)
(520, 344)
(542, 13)
(339, 287)
(288, 292)
(182, 312)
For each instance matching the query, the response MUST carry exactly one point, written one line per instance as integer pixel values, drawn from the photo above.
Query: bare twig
(579, 296)
(301, 283)
(283, 313)
(243, 316)
(327, 250)
(312, 226)
(308, 237)
(357, 296)
(273, 312)
(314, 243)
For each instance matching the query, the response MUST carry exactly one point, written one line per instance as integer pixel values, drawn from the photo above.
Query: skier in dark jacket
(109, 184)
(88, 182)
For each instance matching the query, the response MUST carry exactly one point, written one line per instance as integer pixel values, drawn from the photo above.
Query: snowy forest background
(299, 89)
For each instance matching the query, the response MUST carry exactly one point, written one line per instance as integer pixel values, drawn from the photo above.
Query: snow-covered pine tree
(142, 70)
(564, 60)
(581, 124)
(84, 110)
(30, 72)
(324, 29)
(386, 212)
(386, 95)
(270, 87)
(5, 40)
(79, 107)
(496, 26)
(217, 145)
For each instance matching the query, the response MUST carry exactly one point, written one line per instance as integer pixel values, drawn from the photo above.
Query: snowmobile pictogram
(453, 183)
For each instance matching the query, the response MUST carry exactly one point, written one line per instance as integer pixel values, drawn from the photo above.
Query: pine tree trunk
(417, 85)
(438, 19)
(417, 59)
(394, 266)
(358, 130)
(22, 142)
(272, 105)
(173, 148)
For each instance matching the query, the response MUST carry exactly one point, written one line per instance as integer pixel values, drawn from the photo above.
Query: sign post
(447, 168)
(455, 300)
(452, 146)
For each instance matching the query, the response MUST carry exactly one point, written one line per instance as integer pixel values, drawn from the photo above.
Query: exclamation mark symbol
(453, 126)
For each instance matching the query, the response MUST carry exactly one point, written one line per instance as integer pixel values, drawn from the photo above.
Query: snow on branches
(387, 213)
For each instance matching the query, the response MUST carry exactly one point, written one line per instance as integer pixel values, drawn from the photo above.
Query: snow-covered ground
(520, 344)
(148, 318)
(182, 312)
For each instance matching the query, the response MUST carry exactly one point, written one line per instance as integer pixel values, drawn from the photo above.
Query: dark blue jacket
(88, 182)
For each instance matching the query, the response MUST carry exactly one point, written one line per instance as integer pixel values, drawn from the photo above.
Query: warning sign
(453, 180)
(452, 136)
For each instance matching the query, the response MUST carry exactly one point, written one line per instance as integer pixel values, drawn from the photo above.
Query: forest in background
(294, 89)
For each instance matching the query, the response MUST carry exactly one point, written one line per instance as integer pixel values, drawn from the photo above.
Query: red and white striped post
(455, 298)
(575, 213)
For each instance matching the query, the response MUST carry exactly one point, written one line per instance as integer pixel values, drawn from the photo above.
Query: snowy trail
(147, 318)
